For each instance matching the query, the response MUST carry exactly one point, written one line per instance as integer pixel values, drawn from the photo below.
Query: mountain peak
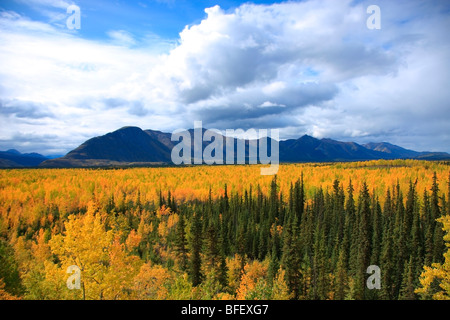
(127, 144)
(129, 128)
(13, 151)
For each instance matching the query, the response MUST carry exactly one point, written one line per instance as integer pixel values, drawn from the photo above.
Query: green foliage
(9, 272)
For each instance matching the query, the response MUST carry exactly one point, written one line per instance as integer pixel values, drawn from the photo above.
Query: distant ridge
(14, 159)
(397, 152)
(132, 146)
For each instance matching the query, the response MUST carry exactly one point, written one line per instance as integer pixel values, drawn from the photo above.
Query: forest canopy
(226, 232)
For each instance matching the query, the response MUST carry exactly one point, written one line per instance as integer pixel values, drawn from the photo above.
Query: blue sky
(164, 18)
(304, 67)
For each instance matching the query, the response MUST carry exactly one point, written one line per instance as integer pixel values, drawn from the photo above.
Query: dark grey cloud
(137, 108)
(114, 102)
(272, 121)
(24, 109)
(252, 104)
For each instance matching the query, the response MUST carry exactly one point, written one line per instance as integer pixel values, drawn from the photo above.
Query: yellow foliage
(163, 211)
(280, 290)
(253, 272)
(152, 282)
(106, 269)
(439, 272)
(234, 272)
(26, 193)
(133, 240)
(121, 272)
(55, 199)
(224, 296)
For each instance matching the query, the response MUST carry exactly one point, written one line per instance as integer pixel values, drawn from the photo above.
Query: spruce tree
(181, 244)
(407, 287)
(290, 260)
(438, 233)
(212, 250)
(428, 230)
(364, 242)
(196, 246)
(386, 254)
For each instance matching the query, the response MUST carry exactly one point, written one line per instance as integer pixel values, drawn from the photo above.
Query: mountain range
(13, 159)
(132, 146)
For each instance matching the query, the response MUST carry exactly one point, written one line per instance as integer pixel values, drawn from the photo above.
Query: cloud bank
(304, 67)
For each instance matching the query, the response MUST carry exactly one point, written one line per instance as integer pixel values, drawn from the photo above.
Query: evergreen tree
(438, 233)
(320, 282)
(364, 241)
(212, 250)
(196, 246)
(274, 265)
(341, 282)
(290, 261)
(181, 244)
(428, 223)
(9, 271)
(407, 288)
(386, 258)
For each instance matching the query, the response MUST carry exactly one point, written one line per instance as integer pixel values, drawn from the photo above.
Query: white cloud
(309, 67)
(122, 37)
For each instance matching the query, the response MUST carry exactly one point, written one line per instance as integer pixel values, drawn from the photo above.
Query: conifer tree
(386, 258)
(438, 233)
(181, 244)
(274, 265)
(290, 261)
(364, 241)
(196, 246)
(212, 250)
(407, 288)
(428, 231)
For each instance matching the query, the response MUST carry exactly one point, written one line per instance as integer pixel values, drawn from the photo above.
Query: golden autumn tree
(280, 289)
(152, 282)
(41, 276)
(435, 280)
(107, 270)
(85, 243)
(253, 283)
(121, 272)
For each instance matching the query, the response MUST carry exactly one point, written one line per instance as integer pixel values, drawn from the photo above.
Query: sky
(303, 67)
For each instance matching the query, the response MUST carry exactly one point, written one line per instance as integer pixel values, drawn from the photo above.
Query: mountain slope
(133, 146)
(126, 145)
(393, 150)
(307, 148)
(397, 152)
